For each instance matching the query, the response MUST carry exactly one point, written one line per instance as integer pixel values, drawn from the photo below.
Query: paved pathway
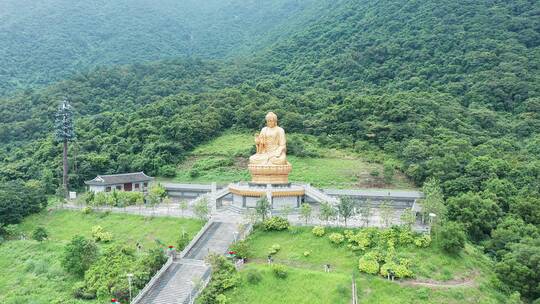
(178, 281)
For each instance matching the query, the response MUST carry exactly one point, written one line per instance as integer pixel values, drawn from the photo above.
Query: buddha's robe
(274, 151)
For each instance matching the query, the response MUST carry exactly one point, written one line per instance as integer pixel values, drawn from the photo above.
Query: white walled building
(137, 181)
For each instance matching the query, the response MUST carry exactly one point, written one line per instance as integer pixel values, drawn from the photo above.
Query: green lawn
(30, 271)
(300, 286)
(428, 263)
(225, 159)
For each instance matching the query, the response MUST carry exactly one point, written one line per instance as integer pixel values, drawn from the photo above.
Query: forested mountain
(46, 41)
(450, 90)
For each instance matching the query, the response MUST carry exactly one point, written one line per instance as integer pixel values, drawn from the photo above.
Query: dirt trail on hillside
(469, 281)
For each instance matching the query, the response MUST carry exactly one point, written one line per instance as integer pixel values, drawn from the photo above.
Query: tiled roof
(113, 179)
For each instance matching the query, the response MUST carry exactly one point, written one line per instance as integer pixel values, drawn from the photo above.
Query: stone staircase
(175, 285)
(319, 196)
(177, 282)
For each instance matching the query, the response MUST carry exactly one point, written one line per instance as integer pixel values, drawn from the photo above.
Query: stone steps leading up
(175, 285)
(177, 282)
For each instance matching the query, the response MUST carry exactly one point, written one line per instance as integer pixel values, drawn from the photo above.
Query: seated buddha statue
(271, 144)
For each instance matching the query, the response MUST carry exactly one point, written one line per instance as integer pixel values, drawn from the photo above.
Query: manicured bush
(253, 276)
(360, 240)
(422, 241)
(451, 237)
(368, 263)
(318, 231)
(275, 223)
(348, 234)
(406, 237)
(100, 235)
(39, 234)
(391, 234)
(399, 270)
(274, 249)
(87, 210)
(280, 271)
(336, 238)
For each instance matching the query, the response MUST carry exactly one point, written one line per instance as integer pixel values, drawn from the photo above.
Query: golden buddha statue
(269, 165)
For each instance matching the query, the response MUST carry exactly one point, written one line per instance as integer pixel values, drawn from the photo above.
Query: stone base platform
(270, 174)
(246, 195)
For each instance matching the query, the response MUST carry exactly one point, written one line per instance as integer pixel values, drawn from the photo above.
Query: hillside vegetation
(225, 158)
(307, 282)
(448, 89)
(47, 41)
(31, 271)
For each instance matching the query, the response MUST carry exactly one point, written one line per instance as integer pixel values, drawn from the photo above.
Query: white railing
(197, 290)
(318, 194)
(153, 280)
(195, 239)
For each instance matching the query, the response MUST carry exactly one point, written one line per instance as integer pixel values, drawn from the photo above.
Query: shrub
(406, 237)
(343, 290)
(222, 299)
(182, 241)
(422, 241)
(391, 235)
(275, 223)
(253, 276)
(400, 270)
(100, 235)
(106, 277)
(167, 171)
(336, 238)
(224, 277)
(87, 210)
(39, 234)
(451, 237)
(79, 254)
(360, 241)
(368, 263)
(79, 292)
(274, 249)
(348, 234)
(280, 271)
(153, 260)
(242, 249)
(9, 231)
(318, 231)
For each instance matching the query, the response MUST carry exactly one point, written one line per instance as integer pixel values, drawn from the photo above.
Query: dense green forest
(449, 89)
(46, 41)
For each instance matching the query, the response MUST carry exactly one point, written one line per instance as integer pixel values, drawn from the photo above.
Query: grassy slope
(428, 263)
(30, 272)
(337, 169)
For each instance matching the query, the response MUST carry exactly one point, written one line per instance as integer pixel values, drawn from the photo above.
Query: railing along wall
(207, 276)
(153, 280)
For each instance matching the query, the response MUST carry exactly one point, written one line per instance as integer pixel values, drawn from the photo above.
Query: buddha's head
(271, 119)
